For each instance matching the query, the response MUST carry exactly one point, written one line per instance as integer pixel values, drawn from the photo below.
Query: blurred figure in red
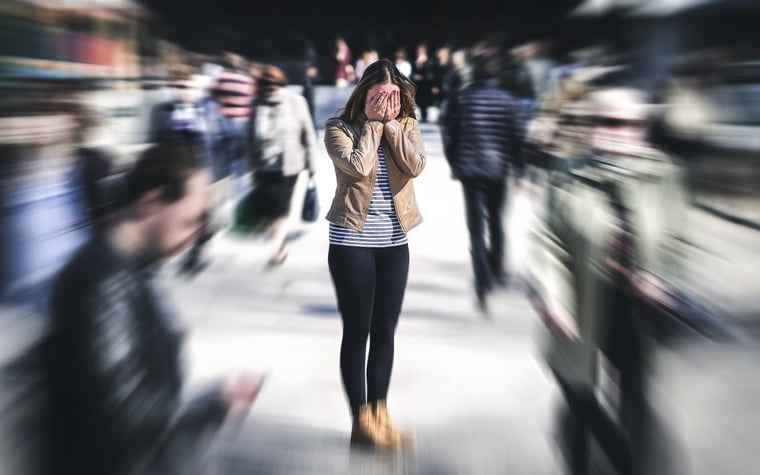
(113, 354)
(344, 69)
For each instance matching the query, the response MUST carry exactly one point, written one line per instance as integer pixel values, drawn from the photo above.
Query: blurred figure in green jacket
(607, 250)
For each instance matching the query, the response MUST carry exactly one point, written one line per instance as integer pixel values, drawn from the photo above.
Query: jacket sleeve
(516, 135)
(357, 161)
(250, 139)
(450, 129)
(551, 277)
(111, 359)
(407, 149)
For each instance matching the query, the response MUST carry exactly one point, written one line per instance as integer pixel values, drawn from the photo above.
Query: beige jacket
(299, 140)
(353, 150)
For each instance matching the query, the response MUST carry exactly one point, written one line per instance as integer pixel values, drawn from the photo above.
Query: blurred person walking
(112, 356)
(442, 68)
(610, 252)
(424, 75)
(455, 76)
(93, 168)
(344, 67)
(232, 92)
(482, 144)
(402, 63)
(310, 76)
(367, 58)
(185, 119)
(376, 148)
(181, 118)
(282, 143)
(224, 115)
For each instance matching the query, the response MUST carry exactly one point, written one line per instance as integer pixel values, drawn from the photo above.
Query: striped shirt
(381, 229)
(235, 92)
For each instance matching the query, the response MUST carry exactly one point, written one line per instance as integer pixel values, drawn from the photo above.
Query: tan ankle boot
(394, 436)
(366, 431)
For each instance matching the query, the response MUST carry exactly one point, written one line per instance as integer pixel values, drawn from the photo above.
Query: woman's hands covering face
(393, 106)
(383, 106)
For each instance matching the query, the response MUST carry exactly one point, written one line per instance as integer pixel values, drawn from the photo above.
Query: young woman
(376, 148)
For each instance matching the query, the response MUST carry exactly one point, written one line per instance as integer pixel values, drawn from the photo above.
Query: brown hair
(271, 76)
(379, 72)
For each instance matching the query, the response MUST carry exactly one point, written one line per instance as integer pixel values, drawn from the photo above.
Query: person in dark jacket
(482, 142)
(112, 357)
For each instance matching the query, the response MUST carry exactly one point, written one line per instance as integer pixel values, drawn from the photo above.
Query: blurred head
(486, 62)
(168, 197)
(270, 80)
(459, 58)
(444, 55)
(185, 91)
(382, 75)
(87, 124)
(184, 86)
(620, 120)
(574, 126)
(370, 56)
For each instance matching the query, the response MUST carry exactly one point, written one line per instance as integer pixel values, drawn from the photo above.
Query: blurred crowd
(619, 167)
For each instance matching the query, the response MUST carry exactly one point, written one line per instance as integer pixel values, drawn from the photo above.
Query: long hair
(379, 72)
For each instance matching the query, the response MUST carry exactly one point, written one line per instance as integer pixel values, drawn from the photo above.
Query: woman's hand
(376, 107)
(394, 106)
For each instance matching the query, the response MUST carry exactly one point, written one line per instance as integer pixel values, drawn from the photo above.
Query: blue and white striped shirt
(381, 229)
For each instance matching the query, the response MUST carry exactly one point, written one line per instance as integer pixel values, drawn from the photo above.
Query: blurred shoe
(278, 259)
(366, 432)
(192, 266)
(481, 292)
(501, 280)
(394, 435)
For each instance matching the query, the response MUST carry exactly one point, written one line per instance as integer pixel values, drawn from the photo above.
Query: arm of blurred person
(185, 442)
(552, 279)
(159, 120)
(661, 264)
(404, 141)
(308, 135)
(131, 374)
(450, 128)
(517, 142)
(109, 356)
(251, 145)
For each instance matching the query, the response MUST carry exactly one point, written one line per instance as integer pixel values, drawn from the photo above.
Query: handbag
(247, 217)
(310, 210)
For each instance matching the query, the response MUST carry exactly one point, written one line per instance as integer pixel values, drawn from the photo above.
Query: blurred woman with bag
(282, 143)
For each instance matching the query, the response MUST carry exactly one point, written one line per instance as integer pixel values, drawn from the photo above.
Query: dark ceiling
(280, 29)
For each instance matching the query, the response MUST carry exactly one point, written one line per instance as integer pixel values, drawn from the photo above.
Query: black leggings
(369, 284)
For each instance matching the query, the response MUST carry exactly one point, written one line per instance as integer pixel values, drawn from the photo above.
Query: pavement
(471, 387)
(468, 385)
